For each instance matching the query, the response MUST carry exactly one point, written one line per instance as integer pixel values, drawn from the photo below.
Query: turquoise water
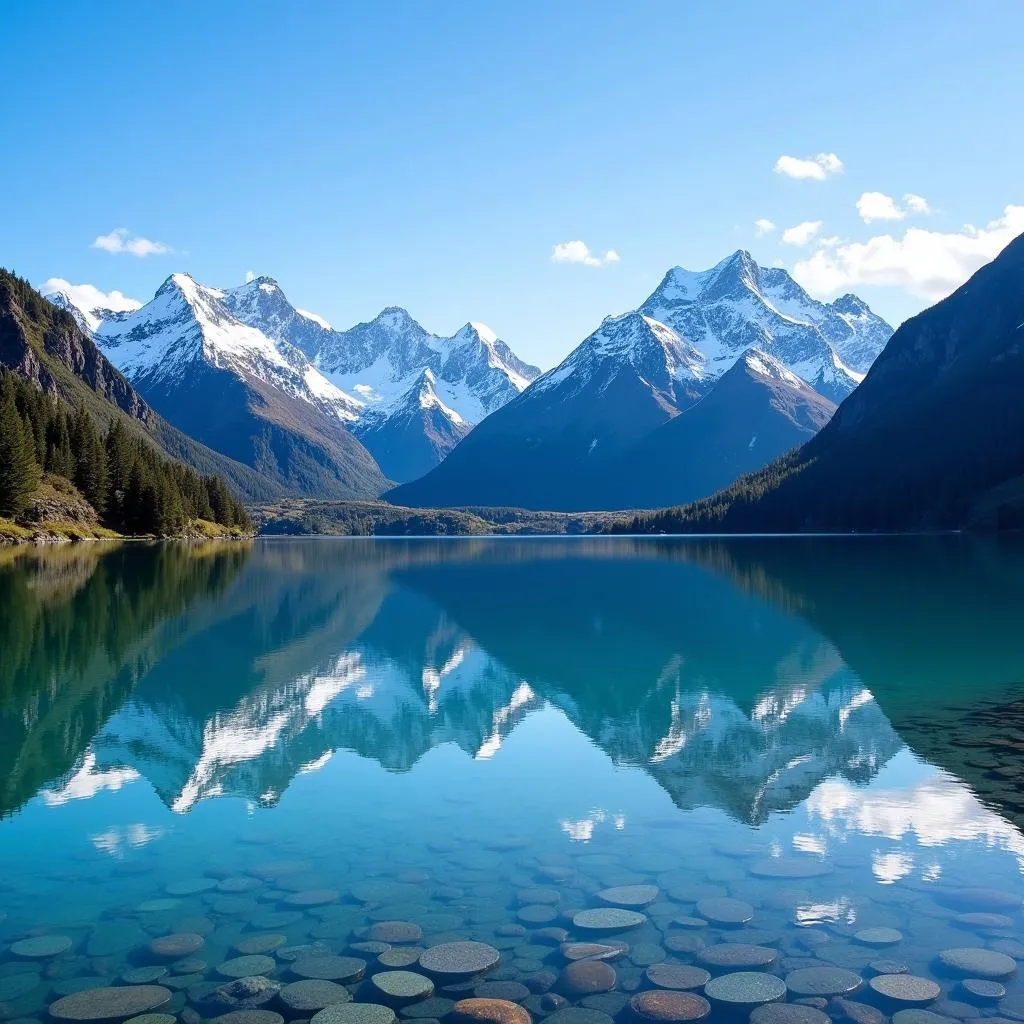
(809, 747)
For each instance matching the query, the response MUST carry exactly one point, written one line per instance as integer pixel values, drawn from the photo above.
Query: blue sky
(433, 154)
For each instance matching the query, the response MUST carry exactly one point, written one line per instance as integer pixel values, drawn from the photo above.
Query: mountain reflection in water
(746, 675)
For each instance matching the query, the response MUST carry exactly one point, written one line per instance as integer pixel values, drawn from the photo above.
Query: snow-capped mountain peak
(736, 305)
(187, 323)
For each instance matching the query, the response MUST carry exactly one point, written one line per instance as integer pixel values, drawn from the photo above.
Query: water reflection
(749, 676)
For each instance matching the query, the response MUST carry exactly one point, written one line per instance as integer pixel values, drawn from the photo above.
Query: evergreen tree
(19, 471)
(90, 460)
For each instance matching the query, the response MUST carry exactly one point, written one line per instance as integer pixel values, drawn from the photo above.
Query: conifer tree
(19, 471)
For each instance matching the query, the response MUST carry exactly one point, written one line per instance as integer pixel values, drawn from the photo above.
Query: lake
(490, 780)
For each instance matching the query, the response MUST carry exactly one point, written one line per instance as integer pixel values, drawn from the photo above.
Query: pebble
(788, 1013)
(537, 913)
(889, 967)
(311, 995)
(538, 894)
(41, 947)
(247, 966)
(745, 989)
(878, 936)
(245, 993)
(153, 1018)
(400, 957)
(110, 1004)
(684, 942)
(260, 944)
(790, 867)
(906, 988)
(398, 932)
(644, 954)
(725, 911)
(677, 976)
(250, 1017)
(459, 959)
(612, 1003)
(919, 1017)
(401, 987)
(176, 946)
(739, 955)
(978, 963)
(857, 1013)
(822, 981)
(669, 1007)
(593, 950)
(490, 1011)
(983, 920)
(629, 895)
(608, 919)
(584, 977)
(514, 991)
(355, 1013)
(342, 969)
(578, 1015)
(982, 990)
(140, 975)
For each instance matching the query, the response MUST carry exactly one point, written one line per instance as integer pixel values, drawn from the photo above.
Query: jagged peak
(395, 318)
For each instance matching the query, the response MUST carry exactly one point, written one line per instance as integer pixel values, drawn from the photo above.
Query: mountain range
(740, 355)
(930, 439)
(563, 443)
(310, 407)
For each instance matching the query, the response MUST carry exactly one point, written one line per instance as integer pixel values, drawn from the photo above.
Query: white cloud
(801, 234)
(579, 252)
(817, 168)
(249, 276)
(764, 227)
(930, 264)
(88, 296)
(878, 206)
(121, 240)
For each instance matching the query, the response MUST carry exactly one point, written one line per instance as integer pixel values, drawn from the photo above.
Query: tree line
(133, 488)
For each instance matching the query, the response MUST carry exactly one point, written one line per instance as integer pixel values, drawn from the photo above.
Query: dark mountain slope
(757, 411)
(936, 426)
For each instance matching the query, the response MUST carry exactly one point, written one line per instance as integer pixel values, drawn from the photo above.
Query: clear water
(431, 729)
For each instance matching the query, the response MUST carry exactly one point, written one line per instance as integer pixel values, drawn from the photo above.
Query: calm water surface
(794, 759)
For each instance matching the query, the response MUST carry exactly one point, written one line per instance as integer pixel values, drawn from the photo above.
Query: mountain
(256, 399)
(738, 305)
(757, 411)
(383, 364)
(629, 377)
(934, 437)
(562, 444)
(44, 343)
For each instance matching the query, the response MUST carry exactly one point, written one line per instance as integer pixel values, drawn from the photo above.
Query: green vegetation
(132, 488)
(305, 517)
